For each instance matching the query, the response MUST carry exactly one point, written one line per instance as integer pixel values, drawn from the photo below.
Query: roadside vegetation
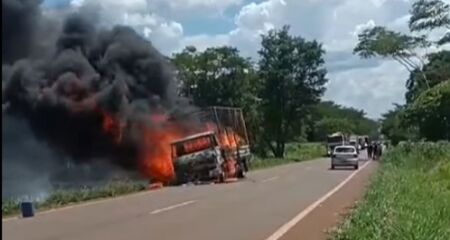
(295, 152)
(409, 197)
(65, 197)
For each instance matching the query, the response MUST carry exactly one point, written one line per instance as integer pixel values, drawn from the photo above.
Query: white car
(345, 156)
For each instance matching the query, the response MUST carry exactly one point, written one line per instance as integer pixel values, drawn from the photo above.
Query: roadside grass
(409, 198)
(61, 198)
(295, 152)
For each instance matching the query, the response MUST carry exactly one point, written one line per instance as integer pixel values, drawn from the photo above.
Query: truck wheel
(332, 166)
(221, 178)
(240, 173)
(356, 167)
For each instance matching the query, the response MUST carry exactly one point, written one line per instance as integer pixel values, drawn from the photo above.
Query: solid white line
(287, 226)
(172, 207)
(270, 179)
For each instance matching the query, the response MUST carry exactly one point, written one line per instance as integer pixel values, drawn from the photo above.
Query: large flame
(155, 154)
(156, 158)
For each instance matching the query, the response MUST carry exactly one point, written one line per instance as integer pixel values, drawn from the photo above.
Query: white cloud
(185, 9)
(374, 84)
(372, 89)
(196, 4)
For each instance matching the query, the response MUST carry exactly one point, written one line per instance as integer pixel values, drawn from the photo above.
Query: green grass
(66, 197)
(409, 197)
(294, 153)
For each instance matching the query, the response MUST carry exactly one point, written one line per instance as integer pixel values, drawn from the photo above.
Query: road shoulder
(328, 214)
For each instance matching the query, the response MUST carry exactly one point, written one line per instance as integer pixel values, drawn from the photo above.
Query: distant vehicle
(344, 156)
(353, 140)
(333, 140)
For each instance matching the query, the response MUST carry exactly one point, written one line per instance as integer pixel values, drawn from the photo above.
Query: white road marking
(270, 179)
(172, 207)
(287, 226)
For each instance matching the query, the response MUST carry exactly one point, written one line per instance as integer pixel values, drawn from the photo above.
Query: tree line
(426, 113)
(280, 92)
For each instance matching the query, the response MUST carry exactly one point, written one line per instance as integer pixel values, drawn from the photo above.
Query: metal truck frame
(205, 156)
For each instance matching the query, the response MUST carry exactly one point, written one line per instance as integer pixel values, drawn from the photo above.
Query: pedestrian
(369, 151)
(380, 151)
(374, 151)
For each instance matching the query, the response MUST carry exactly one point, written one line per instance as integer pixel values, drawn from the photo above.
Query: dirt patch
(316, 225)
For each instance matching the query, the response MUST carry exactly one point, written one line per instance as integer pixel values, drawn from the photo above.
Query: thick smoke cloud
(78, 87)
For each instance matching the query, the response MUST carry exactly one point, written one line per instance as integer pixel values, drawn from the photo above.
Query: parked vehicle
(344, 156)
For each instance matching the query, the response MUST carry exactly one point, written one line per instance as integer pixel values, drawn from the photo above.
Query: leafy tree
(379, 41)
(394, 128)
(349, 119)
(427, 15)
(437, 70)
(293, 77)
(431, 112)
(217, 76)
(327, 126)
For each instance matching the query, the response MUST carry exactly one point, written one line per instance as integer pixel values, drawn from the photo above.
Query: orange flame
(112, 127)
(155, 161)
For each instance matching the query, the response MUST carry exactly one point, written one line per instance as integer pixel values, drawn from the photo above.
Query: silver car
(344, 156)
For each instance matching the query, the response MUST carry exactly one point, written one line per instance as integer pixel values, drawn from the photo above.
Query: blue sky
(371, 85)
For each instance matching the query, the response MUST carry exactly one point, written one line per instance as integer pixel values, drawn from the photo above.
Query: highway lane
(250, 209)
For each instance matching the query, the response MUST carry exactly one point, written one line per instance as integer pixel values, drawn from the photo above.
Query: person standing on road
(380, 149)
(369, 151)
(374, 151)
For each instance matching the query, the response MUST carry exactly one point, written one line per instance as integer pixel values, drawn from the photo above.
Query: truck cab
(220, 152)
(333, 140)
(197, 157)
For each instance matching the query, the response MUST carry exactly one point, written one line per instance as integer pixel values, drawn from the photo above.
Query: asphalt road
(251, 209)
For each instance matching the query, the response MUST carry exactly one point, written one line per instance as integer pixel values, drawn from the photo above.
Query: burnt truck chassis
(214, 162)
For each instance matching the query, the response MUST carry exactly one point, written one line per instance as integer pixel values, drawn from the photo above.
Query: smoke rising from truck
(82, 94)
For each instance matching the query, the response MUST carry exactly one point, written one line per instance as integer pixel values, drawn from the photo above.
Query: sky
(372, 85)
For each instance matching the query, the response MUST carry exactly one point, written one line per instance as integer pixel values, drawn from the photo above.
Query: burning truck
(221, 152)
(75, 92)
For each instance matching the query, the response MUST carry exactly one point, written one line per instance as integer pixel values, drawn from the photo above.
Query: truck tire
(240, 173)
(332, 167)
(221, 178)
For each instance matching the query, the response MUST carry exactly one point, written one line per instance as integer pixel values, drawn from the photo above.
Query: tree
(379, 41)
(328, 126)
(394, 127)
(328, 117)
(217, 76)
(437, 70)
(428, 15)
(293, 77)
(431, 112)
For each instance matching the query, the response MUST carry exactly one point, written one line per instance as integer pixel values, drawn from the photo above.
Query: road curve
(251, 209)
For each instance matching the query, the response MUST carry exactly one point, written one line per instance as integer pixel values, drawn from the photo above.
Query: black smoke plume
(61, 80)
